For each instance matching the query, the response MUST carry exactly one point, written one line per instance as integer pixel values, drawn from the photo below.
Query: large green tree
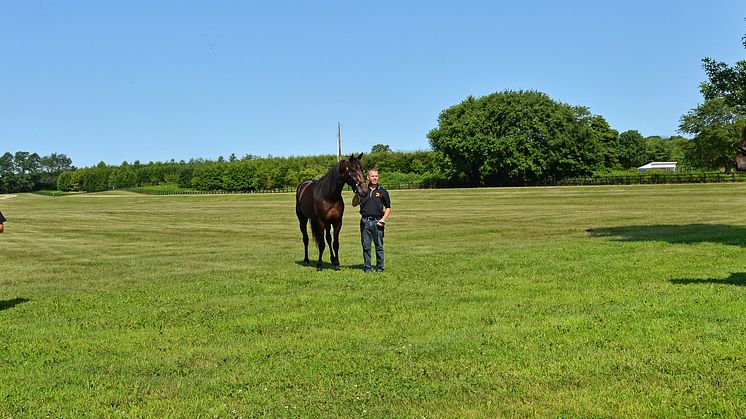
(717, 123)
(51, 167)
(25, 171)
(659, 148)
(380, 148)
(632, 151)
(7, 173)
(716, 127)
(728, 82)
(513, 137)
(608, 140)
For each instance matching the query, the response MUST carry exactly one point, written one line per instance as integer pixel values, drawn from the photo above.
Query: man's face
(373, 177)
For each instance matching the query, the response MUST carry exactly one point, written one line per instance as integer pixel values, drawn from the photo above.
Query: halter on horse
(320, 201)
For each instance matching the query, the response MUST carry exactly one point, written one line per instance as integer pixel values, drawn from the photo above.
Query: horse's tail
(316, 231)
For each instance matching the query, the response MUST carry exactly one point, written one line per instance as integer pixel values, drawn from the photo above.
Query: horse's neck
(335, 193)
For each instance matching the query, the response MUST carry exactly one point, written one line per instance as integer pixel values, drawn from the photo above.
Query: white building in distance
(658, 165)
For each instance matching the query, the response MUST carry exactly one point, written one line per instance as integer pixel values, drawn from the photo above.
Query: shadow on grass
(328, 265)
(738, 278)
(4, 305)
(677, 234)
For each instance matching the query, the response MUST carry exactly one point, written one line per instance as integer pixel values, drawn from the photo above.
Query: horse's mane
(327, 185)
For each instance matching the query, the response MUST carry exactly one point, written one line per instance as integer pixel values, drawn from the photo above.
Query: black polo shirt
(375, 202)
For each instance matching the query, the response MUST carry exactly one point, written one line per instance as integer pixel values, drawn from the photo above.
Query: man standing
(375, 208)
(2, 221)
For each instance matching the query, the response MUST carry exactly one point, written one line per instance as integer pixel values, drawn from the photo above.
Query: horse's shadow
(328, 265)
(738, 279)
(4, 305)
(676, 234)
(683, 234)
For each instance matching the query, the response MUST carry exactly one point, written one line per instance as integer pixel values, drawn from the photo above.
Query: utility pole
(339, 142)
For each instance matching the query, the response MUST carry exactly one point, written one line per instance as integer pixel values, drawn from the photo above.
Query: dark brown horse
(741, 152)
(321, 202)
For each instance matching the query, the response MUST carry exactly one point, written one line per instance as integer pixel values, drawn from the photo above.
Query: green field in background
(572, 301)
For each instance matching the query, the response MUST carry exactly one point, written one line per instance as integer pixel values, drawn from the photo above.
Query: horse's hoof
(319, 269)
(305, 263)
(337, 268)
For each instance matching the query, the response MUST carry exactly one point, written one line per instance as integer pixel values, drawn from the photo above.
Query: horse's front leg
(335, 245)
(332, 249)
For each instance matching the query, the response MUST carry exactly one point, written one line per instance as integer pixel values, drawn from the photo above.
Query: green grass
(586, 302)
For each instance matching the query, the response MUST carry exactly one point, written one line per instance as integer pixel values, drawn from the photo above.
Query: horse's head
(741, 153)
(351, 171)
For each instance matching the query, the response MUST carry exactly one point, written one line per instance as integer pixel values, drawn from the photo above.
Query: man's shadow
(738, 279)
(4, 305)
(676, 234)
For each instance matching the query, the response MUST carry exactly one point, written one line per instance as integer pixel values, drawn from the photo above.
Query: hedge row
(250, 174)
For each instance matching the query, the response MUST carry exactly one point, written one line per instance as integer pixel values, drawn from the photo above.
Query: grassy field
(587, 301)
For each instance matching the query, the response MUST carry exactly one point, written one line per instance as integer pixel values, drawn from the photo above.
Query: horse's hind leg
(304, 231)
(335, 246)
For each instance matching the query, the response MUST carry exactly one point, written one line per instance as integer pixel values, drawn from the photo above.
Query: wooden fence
(642, 179)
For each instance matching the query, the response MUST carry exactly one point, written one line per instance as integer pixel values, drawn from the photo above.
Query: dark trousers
(370, 232)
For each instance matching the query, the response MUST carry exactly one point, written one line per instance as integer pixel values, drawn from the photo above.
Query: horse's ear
(360, 157)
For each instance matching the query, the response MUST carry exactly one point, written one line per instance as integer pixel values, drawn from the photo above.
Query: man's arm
(386, 201)
(386, 214)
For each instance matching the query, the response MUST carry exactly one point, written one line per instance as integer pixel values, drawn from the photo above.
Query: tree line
(23, 171)
(250, 173)
(605, 151)
(504, 138)
(596, 149)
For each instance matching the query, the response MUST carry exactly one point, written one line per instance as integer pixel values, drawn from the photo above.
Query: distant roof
(659, 165)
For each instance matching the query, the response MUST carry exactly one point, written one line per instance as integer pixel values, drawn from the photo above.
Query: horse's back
(302, 187)
(304, 199)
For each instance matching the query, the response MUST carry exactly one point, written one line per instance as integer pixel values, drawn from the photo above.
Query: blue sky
(155, 80)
